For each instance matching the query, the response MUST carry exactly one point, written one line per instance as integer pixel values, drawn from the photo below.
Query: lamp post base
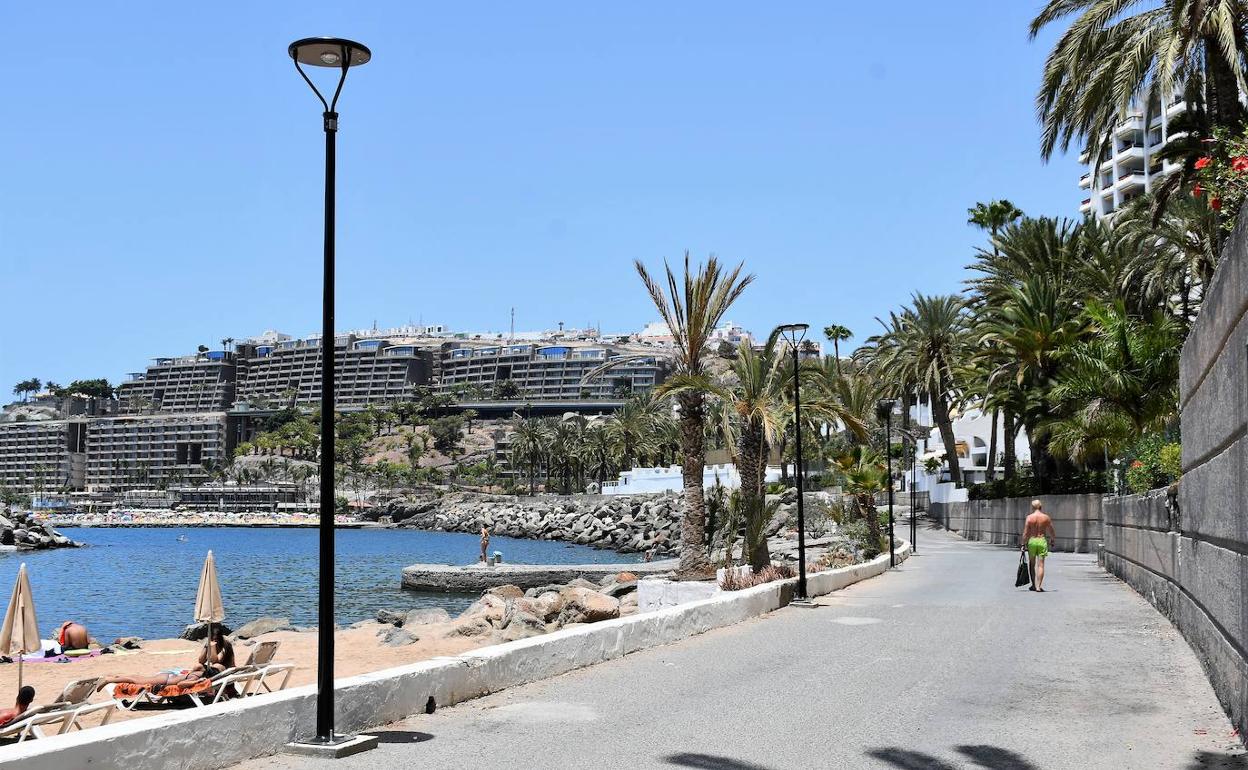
(336, 747)
(806, 603)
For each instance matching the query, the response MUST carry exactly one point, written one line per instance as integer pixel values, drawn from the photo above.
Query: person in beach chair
(25, 697)
(217, 655)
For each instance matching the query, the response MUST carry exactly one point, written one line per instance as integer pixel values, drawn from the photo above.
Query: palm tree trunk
(694, 563)
(751, 449)
(940, 414)
(1010, 461)
(991, 472)
(1221, 90)
(836, 351)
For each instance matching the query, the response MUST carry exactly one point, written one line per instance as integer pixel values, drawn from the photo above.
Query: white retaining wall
(233, 731)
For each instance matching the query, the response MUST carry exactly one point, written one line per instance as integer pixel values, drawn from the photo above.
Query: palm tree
(993, 216)
(924, 347)
(866, 474)
(1110, 56)
(597, 452)
(836, 334)
(528, 448)
(1175, 253)
(692, 310)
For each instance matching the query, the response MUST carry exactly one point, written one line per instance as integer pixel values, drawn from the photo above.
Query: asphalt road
(938, 664)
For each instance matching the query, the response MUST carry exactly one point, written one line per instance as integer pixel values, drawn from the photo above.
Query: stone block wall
(1076, 520)
(1188, 554)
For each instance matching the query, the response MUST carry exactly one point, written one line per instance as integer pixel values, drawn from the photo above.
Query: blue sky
(162, 164)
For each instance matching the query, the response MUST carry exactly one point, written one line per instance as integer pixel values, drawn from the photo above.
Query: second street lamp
(339, 54)
(795, 333)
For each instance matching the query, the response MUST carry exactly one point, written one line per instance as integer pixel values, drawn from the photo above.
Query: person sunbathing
(157, 682)
(25, 697)
(73, 636)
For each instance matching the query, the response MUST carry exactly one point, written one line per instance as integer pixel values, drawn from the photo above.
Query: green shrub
(1152, 463)
(1170, 458)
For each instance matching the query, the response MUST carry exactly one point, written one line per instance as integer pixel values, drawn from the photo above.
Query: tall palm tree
(692, 309)
(836, 334)
(1116, 51)
(924, 347)
(528, 448)
(993, 216)
(1175, 253)
(597, 452)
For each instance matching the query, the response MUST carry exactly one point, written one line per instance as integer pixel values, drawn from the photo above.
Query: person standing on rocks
(485, 541)
(1038, 537)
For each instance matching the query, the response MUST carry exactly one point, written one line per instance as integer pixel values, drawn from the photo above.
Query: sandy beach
(357, 651)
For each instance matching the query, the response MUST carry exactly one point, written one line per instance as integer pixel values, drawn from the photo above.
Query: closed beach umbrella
(21, 627)
(208, 606)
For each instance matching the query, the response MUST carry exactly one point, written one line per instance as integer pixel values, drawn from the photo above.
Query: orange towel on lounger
(168, 691)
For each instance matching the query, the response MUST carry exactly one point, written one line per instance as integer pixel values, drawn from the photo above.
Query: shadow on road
(709, 762)
(1203, 760)
(995, 757)
(400, 736)
(909, 760)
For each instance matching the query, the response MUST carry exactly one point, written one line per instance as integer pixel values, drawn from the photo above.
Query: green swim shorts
(1038, 547)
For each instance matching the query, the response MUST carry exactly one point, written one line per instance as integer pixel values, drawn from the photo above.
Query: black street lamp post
(339, 54)
(795, 333)
(885, 411)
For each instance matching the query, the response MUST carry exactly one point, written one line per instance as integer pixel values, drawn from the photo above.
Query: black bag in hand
(1024, 574)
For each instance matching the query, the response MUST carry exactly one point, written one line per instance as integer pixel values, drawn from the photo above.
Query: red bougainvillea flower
(1202, 162)
(1240, 163)
(1198, 191)
(1137, 464)
(1215, 204)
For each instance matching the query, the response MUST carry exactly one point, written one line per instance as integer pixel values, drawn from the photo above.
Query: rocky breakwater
(627, 524)
(26, 533)
(506, 613)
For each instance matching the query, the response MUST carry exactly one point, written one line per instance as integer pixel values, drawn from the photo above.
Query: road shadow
(909, 760)
(1204, 760)
(400, 736)
(709, 762)
(995, 757)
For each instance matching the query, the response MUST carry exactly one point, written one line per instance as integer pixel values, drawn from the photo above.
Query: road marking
(850, 620)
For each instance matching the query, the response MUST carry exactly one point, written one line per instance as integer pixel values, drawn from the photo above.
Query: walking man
(1038, 536)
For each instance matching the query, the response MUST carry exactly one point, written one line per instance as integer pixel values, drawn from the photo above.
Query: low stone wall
(233, 731)
(1076, 520)
(475, 579)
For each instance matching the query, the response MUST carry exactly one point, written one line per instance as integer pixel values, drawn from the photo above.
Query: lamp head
(329, 52)
(884, 408)
(794, 332)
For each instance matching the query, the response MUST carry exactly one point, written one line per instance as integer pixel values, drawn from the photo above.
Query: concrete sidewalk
(938, 664)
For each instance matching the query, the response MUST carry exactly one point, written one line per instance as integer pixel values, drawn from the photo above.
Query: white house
(972, 432)
(640, 481)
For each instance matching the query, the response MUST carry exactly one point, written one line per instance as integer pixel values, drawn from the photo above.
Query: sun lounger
(65, 713)
(240, 681)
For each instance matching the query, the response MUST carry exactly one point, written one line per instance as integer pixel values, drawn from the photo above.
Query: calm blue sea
(142, 582)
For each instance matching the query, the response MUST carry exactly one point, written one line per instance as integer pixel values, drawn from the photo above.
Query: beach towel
(126, 691)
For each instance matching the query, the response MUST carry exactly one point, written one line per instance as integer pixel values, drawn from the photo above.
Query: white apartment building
(1131, 166)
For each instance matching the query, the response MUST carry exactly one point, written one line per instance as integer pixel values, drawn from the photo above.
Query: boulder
(198, 632)
(264, 625)
(425, 616)
(397, 637)
(619, 590)
(470, 626)
(5, 523)
(127, 642)
(393, 617)
(582, 605)
(489, 607)
(522, 625)
(548, 605)
(506, 591)
(583, 583)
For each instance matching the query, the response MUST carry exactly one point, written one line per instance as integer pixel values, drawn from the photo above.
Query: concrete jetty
(479, 577)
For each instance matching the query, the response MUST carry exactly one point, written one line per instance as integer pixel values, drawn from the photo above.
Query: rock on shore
(26, 533)
(627, 524)
(507, 613)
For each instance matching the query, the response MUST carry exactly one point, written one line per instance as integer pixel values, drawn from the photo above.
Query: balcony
(1130, 151)
(1131, 180)
(1130, 125)
(1085, 180)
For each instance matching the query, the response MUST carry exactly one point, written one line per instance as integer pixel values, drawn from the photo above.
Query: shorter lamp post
(795, 333)
(885, 412)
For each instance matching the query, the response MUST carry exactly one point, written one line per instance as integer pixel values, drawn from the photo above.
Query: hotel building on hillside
(1131, 166)
(547, 371)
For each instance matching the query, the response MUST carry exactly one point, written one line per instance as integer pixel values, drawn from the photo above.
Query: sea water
(142, 581)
